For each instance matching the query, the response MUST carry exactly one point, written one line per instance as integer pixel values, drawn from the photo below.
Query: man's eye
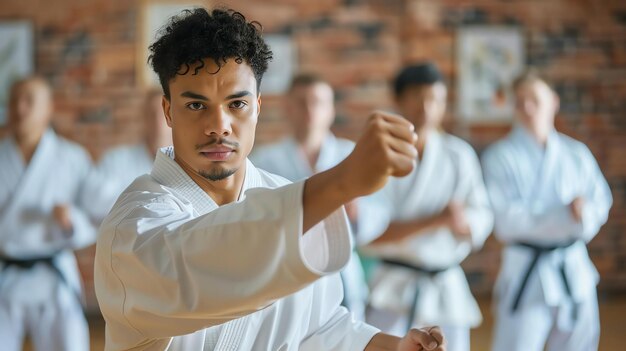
(195, 106)
(239, 104)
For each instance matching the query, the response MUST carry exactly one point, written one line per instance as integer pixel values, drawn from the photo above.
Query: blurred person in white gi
(433, 219)
(312, 148)
(120, 166)
(41, 179)
(550, 199)
(202, 254)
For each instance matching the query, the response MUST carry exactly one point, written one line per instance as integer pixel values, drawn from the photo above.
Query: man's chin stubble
(217, 175)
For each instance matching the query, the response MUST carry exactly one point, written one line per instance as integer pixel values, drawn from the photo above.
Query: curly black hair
(197, 34)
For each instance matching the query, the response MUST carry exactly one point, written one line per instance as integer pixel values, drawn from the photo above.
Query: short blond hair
(35, 78)
(531, 75)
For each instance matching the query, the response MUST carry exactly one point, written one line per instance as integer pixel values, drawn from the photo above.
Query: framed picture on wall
(283, 65)
(16, 58)
(488, 59)
(153, 15)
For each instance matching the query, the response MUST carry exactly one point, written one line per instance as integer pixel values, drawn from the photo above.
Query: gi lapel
(327, 159)
(301, 168)
(527, 161)
(416, 187)
(546, 180)
(168, 172)
(11, 173)
(233, 332)
(39, 166)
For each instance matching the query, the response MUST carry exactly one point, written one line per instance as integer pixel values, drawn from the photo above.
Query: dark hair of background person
(425, 73)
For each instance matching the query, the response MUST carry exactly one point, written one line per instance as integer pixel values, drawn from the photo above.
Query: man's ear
(258, 100)
(557, 102)
(165, 102)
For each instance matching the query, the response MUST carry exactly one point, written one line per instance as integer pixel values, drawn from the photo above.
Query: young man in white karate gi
(312, 148)
(201, 254)
(550, 199)
(41, 182)
(434, 218)
(120, 166)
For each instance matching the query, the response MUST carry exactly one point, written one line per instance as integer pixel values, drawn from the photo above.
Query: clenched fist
(576, 207)
(386, 148)
(61, 214)
(455, 217)
(423, 339)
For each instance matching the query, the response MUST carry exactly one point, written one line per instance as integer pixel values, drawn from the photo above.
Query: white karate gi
(531, 189)
(37, 300)
(174, 268)
(285, 159)
(115, 171)
(449, 170)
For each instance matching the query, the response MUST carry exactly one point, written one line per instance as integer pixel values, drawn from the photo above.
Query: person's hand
(386, 148)
(454, 215)
(61, 214)
(430, 339)
(576, 207)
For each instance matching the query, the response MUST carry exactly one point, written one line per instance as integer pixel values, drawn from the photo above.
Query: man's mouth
(217, 153)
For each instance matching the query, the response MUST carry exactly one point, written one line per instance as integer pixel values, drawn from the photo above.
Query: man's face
(30, 107)
(213, 117)
(423, 105)
(311, 108)
(535, 105)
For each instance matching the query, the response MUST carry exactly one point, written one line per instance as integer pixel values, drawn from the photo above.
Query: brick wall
(88, 49)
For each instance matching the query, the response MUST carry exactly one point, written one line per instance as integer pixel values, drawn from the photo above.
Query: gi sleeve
(478, 211)
(83, 232)
(103, 186)
(597, 197)
(163, 273)
(375, 215)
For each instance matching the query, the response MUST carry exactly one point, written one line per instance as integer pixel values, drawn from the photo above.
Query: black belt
(31, 262)
(419, 269)
(538, 251)
(427, 271)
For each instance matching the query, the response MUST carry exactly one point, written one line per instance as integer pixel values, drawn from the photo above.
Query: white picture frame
(153, 15)
(16, 58)
(283, 66)
(488, 60)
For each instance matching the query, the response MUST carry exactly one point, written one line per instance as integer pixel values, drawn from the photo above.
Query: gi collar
(168, 173)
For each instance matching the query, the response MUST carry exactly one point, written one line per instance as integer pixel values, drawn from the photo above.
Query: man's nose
(218, 123)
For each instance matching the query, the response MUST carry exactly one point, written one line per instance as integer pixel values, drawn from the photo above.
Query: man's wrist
(383, 342)
(342, 185)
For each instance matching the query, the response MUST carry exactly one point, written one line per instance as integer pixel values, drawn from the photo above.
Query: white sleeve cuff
(326, 247)
(322, 250)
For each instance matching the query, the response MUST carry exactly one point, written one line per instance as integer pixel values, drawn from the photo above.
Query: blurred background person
(41, 180)
(312, 148)
(433, 219)
(550, 198)
(121, 165)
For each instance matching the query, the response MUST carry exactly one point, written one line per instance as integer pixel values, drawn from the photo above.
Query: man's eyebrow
(239, 94)
(193, 95)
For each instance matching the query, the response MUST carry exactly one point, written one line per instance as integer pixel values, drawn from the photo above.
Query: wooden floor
(612, 324)
(612, 316)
